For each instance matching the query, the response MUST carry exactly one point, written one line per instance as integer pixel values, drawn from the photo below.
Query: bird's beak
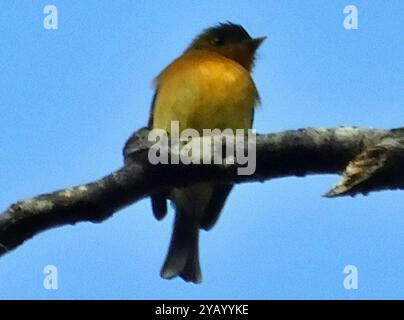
(256, 42)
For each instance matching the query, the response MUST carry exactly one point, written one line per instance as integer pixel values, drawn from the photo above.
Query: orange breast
(204, 90)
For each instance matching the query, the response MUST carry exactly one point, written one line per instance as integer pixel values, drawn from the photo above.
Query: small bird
(208, 87)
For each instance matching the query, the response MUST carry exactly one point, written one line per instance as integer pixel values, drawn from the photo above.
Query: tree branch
(373, 160)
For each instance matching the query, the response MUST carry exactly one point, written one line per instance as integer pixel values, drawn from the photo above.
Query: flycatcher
(208, 87)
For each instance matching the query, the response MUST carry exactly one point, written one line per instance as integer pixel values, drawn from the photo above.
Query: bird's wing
(215, 206)
(153, 103)
(158, 200)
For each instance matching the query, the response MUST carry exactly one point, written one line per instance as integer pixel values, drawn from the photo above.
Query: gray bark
(369, 160)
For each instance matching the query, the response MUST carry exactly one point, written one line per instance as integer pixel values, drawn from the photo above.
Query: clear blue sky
(70, 97)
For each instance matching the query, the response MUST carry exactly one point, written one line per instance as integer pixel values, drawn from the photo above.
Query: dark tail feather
(183, 255)
(192, 270)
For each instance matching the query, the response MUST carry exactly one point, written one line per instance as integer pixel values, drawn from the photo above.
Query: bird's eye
(217, 41)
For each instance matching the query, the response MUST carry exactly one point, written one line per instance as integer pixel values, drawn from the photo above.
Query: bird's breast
(204, 91)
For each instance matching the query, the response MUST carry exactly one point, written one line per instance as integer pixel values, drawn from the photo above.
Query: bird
(209, 86)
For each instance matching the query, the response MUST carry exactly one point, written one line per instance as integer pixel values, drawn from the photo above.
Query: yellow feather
(204, 90)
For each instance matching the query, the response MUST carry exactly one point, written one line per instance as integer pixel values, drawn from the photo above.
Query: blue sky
(70, 97)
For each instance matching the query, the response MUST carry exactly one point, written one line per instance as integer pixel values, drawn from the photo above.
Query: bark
(369, 160)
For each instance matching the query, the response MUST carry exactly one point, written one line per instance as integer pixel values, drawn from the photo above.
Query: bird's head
(230, 40)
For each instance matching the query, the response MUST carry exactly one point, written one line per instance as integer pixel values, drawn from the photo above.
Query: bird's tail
(183, 254)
